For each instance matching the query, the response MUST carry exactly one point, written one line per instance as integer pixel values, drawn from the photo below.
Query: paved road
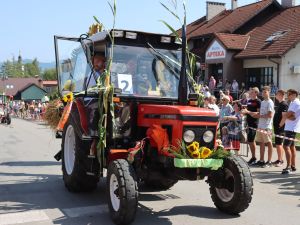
(32, 191)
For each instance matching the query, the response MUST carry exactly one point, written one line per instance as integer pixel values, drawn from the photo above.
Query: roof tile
(233, 41)
(227, 21)
(286, 20)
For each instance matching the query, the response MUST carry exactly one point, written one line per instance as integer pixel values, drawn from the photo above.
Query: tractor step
(58, 155)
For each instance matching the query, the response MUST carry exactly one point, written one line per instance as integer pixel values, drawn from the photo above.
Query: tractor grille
(199, 131)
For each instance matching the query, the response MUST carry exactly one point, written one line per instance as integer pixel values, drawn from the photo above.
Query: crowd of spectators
(27, 110)
(253, 117)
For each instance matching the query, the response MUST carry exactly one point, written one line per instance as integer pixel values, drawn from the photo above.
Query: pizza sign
(215, 51)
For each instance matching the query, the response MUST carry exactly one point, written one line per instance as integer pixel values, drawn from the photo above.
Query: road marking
(83, 211)
(23, 217)
(40, 215)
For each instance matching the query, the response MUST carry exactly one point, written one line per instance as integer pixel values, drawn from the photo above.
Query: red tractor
(150, 89)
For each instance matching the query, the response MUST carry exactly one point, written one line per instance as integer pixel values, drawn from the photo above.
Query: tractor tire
(160, 184)
(122, 191)
(234, 194)
(75, 163)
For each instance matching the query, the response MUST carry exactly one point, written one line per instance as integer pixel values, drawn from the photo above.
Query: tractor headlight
(189, 136)
(208, 136)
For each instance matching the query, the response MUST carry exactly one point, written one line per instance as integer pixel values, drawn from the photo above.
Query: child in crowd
(225, 137)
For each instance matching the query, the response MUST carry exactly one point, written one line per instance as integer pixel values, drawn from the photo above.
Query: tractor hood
(177, 112)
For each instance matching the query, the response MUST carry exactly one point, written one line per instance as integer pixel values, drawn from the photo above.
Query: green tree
(16, 68)
(7, 68)
(32, 69)
(49, 74)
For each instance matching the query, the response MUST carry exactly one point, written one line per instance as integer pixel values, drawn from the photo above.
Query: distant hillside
(43, 65)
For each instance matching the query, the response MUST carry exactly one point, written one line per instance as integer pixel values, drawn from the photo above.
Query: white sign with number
(125, 83)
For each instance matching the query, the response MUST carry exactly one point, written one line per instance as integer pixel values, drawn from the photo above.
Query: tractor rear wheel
(122, 191)
(231, 187)
(75, 163)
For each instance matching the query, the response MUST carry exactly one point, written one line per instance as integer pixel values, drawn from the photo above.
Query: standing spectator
(220, 84)
(292, 126)
(26, 108)
(227, 92)
(227, 85)
(212, 104)
(206, 102)
(206, 92)
(212, 84)
(31, 109)
(221, 95)
(226, 110)
(235, 89)
(244, 99)
(225, 137)
(274, 89)
(253, 105)
(265, 124)
(280, 109)
(235, 125)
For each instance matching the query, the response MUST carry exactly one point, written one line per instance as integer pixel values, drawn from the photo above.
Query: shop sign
(215, 51)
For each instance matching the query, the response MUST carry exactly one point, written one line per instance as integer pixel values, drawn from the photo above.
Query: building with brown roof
(275, 47)
(33, 88)
(50, 86)
(256, 44)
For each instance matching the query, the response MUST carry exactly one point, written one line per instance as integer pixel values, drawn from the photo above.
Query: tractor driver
(99, 66)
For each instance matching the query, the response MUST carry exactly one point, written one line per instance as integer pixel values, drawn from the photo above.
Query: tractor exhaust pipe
(182, 89)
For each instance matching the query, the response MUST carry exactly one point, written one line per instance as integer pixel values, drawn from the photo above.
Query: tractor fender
(75, 111)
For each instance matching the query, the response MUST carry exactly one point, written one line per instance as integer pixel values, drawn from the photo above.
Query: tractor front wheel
(231, 187)
(122, 191)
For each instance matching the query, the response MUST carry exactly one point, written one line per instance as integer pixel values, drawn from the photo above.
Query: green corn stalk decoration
(106, 91)
(191, 57)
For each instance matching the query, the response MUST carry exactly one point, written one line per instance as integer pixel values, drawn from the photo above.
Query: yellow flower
(193, 147)
(196, 155)
(68, 97)
(205, 152)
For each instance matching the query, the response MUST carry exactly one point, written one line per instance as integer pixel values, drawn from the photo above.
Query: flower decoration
(194, 147)
(68, 97)
(205, 152)
(195, 151)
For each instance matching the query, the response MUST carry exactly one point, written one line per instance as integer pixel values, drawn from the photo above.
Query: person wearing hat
(226, 110)
(291, 119)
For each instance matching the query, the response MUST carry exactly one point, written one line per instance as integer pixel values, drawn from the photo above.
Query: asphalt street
(32, 191)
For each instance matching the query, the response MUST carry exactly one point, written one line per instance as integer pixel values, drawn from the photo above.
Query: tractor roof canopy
(144, 65)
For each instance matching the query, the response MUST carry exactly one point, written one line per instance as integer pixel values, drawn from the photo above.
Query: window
(259, 77)
(143, 72)
(275, 36)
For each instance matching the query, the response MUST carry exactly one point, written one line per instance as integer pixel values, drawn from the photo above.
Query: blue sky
(29, 25)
